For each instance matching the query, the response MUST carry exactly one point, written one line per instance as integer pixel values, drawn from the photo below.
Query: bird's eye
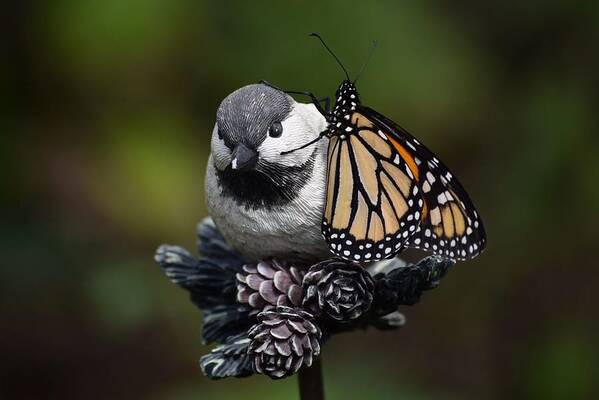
(275, 130)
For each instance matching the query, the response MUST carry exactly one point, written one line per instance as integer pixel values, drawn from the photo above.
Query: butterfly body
(386, 191)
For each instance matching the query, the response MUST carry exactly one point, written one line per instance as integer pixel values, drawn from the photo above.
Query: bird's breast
(290, 230)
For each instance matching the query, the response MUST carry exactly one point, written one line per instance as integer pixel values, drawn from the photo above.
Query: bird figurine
(270, 289)
(264, 202)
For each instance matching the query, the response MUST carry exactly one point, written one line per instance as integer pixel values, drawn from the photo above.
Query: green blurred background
(105, 115)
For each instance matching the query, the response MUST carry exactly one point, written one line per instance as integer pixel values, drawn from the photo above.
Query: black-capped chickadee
(267, 204)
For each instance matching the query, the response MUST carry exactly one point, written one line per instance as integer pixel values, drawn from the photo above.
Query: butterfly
(387, 191)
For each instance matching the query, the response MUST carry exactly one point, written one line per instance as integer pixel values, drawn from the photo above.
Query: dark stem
(310, 382)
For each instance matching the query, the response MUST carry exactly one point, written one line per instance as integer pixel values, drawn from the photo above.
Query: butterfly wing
(450, 225)
(373, 202)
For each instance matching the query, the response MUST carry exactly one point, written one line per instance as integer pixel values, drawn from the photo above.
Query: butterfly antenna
(331, 53)
(370, 53)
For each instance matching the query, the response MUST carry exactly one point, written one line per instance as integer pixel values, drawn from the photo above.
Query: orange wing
(373, 201)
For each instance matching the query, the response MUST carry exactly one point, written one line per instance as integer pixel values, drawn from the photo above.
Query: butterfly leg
(263, 82)
(315, 101)
(327, 104)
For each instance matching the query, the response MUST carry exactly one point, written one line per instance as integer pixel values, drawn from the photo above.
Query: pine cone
(338, 289)
(283, 340)
(269, 284)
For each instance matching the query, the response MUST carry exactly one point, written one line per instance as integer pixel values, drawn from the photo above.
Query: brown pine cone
(338, 290)
(268, 284)
(283, 341)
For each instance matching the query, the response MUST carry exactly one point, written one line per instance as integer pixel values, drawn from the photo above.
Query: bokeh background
(105, 114)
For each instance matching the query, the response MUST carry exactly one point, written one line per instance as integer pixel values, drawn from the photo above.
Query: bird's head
(255, 126)
(256, 123)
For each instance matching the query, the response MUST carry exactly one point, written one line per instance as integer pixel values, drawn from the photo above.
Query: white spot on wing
(442, 198)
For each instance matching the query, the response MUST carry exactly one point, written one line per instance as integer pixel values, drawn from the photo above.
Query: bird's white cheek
(270, 151)
(296, 133)
(221, 154)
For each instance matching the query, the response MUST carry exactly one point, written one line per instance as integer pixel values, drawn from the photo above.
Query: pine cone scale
(243, 295)
(265, 270)
(281, 332)
(298, 327)
(267, 291)
(295, 294)
(255, 300)
(315, 346)
(254, 281)
(282, 281)
(297, 346)
(283, 348)
(249, 269)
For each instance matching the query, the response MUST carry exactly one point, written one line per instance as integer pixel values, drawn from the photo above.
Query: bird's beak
(243, 158)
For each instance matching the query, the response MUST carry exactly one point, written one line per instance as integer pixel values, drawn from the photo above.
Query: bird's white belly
(291, 232)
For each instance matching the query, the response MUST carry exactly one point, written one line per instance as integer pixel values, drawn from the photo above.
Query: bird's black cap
(245, 115)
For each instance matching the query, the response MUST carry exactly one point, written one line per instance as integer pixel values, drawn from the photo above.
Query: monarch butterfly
(387, 191)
